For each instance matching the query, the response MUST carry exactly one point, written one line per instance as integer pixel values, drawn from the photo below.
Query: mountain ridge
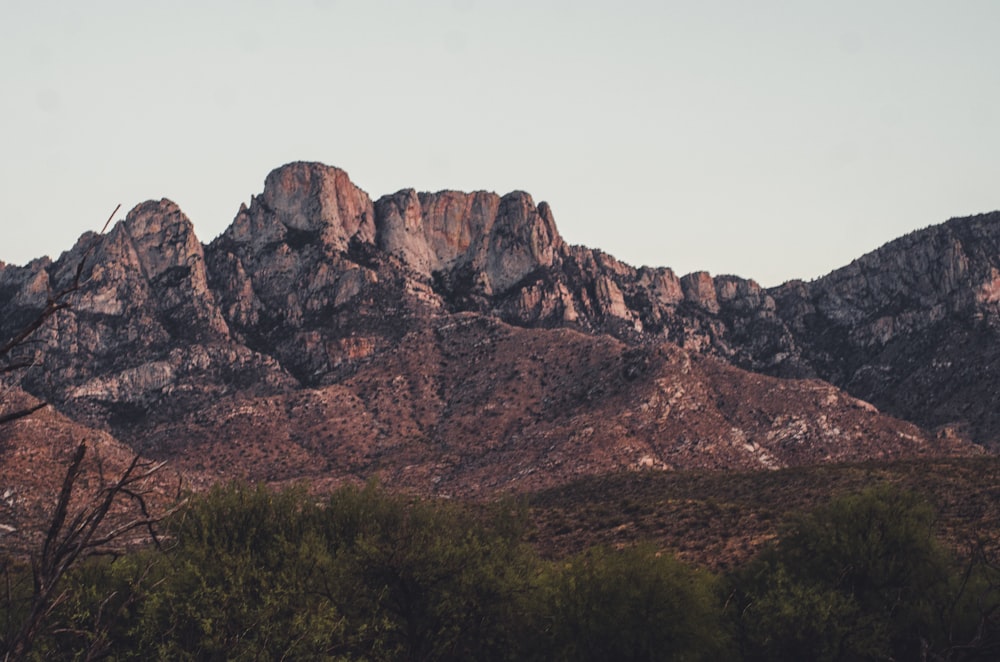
(386, 315)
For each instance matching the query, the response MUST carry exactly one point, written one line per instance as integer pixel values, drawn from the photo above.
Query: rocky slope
(454, 342)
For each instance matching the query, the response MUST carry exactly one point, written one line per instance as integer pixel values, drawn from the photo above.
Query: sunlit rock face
(499, 239)
(143, 324)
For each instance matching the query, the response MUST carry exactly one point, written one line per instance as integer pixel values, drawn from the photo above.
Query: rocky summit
(454, 343)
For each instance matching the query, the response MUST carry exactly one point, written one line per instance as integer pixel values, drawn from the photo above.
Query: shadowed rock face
(912, 327)
(322, 334)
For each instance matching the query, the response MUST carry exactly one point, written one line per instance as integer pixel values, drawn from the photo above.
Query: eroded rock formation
(323, 334)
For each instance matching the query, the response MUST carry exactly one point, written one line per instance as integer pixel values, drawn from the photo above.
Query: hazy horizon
(769, 141)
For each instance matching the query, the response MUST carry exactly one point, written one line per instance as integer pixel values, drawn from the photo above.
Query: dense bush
(421, 580)
(251, 573)
(241, 581)
(863, 578)
(635, 604)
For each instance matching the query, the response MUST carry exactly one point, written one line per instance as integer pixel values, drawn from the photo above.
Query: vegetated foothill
(676, 442)
(247, 572)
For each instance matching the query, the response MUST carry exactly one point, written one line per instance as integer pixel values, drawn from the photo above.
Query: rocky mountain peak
(523, 239)
(152, 261)
(306, 203)
(163, 240)
(434, 232)
(459, 334)
(493, 241)
(942, 270)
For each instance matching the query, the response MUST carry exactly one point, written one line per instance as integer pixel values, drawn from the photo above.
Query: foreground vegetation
(246, 572)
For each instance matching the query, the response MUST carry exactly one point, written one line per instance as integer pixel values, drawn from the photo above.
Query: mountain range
(454, 344)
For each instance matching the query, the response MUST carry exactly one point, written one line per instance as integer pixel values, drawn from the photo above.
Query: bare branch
(51, 308)
(13, 367)
(56, 302)
(73, 538)
(101, 523)
(21, 413)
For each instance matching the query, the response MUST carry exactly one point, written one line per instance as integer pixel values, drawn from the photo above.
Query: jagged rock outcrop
(299, 276)
(142, 329)
(308, 203)
(914, 327)
(500, 240)
(323, 333)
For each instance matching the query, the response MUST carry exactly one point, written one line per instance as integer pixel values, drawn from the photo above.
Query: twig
(54, 303)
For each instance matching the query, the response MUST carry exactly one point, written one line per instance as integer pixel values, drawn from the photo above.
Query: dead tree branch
(97, 528)
(116, 515)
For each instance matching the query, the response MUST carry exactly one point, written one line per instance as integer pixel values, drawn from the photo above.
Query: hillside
(720, 519)
(453, 343)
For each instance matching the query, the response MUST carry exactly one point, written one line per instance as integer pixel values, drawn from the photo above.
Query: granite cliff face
(454, 342)
(912, 327)
(145, 325)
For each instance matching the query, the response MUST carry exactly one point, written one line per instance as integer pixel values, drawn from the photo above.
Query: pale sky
(773, 140)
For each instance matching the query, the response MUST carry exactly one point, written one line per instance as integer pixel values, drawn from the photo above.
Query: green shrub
(632, 604)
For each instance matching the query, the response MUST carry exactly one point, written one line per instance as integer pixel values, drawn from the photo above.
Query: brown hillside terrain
(454, 344)
(471, 406)
(720, 518)
(36, 452)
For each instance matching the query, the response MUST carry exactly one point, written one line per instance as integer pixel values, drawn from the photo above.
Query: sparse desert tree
(81, 526)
